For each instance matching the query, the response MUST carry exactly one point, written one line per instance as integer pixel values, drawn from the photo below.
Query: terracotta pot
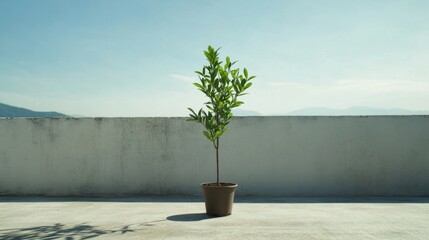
(219, 199)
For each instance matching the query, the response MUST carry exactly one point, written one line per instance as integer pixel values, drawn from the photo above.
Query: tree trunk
(217, 162)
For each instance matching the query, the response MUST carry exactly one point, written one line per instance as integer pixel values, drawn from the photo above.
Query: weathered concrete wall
(267, 156)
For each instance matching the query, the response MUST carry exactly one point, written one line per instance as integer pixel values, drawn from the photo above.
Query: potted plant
(223, 85)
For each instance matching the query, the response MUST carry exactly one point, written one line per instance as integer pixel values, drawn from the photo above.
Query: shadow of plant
(56, 231)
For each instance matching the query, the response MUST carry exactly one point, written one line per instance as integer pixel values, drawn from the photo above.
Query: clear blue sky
(137, 58)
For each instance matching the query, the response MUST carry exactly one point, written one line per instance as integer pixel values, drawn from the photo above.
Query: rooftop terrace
(299, 178)
(184, 218)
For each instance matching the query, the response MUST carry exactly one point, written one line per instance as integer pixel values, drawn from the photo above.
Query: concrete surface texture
(266, 156)
(184, 218)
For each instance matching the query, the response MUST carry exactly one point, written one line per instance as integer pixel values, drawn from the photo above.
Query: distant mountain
(353, 111)
(242, 113)
(11, 111)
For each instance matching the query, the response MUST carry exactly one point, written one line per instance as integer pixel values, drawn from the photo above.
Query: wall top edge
(239, 117)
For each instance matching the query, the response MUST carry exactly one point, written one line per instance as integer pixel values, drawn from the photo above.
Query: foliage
(223, 85)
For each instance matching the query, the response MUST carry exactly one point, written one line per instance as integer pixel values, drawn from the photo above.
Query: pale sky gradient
(137, 58)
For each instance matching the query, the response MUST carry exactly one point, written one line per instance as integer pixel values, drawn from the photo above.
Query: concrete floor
(184, 218)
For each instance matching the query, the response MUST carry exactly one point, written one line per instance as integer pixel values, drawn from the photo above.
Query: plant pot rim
(222, 185)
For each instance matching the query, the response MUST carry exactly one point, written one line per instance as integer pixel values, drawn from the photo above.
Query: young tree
(222, 85)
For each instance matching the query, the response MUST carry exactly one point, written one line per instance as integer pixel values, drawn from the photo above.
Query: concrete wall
(267, 156)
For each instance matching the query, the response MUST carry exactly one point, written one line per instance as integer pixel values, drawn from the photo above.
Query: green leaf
(243, 82)
(190, 109)
(207, 134)
(191, 119)
(198, 85)
(247, 86)
(208, 56)
(217, 50)
(236, 88)
(237, 104)
(245, 72)
(217, 134)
